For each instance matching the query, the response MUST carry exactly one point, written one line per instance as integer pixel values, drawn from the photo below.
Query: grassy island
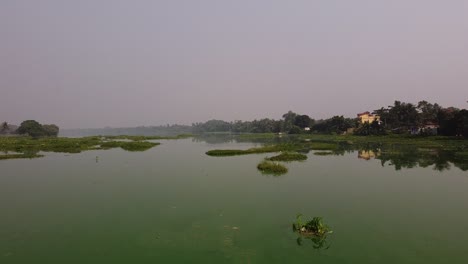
(288, 156)
(323, 153)
(313, 227)
(259, 150)
(314, 230)
(269, 167)
(129, 146)
(28, 147)
(338, 143)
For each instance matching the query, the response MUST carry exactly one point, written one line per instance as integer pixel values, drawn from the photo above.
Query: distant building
(368, 117)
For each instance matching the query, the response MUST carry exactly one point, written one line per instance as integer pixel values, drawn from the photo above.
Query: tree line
(401, 117)
(31, 128)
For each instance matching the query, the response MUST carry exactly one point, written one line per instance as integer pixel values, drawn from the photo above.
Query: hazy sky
(127, 63)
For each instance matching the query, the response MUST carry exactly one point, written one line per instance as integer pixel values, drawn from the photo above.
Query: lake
(174, 204)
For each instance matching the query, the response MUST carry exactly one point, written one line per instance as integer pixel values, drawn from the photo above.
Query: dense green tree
(295, 130)
(239, 126)
(277, 126)
(264, 125)
(336, 124)
(400, 115)
(404, 114)
(303, 121)
(212, 126)
(374, 128)
(289, 119)
(447, 121)
(428, 112)
(461, 119)
(32, 128)
(51, 130)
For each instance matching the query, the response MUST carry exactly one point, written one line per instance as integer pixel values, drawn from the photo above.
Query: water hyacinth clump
(263, 149)
(323, 153)
(314, 230)
(288, 156)
(27, 147)
(269, 167)
(314, 227)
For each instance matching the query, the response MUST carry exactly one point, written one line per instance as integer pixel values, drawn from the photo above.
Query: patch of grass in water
(129, 146)
(274, 168)
(264, 149)
(296, 146)
(314, 229)
(24, 144)
(323, 153)
(288, 156)
(138, 146)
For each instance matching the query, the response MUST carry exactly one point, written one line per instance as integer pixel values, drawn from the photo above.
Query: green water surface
(174, 204)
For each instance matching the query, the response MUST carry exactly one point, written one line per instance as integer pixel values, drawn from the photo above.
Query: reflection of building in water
(368, 154)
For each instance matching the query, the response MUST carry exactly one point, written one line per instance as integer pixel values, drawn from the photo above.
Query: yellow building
(368, 117)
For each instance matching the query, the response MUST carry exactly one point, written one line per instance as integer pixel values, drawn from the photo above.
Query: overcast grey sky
(127, 63)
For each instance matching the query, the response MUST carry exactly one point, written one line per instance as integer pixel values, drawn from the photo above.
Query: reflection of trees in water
(318, 242)
(213, 138)
(411, 157)
(399, 156)
(220, 138)
(402, 156)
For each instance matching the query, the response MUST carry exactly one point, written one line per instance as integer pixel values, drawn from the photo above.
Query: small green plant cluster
(323, 153)
(314, 230)
(292, 146)
(129, 146)
(28, 147)
(138, 145)
(288, 156)
(314, 227)
(274, 168)
(264, 149)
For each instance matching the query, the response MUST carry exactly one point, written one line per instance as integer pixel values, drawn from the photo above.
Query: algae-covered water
(174, 204)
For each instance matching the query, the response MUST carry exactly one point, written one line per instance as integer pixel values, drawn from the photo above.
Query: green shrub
(314, 227)
(323, 153)
(288, 156)
(269, 167)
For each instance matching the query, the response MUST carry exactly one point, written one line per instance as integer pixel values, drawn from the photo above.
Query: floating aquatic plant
(323, 153)
(288, 156)
(314, 229)
(271, 167)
